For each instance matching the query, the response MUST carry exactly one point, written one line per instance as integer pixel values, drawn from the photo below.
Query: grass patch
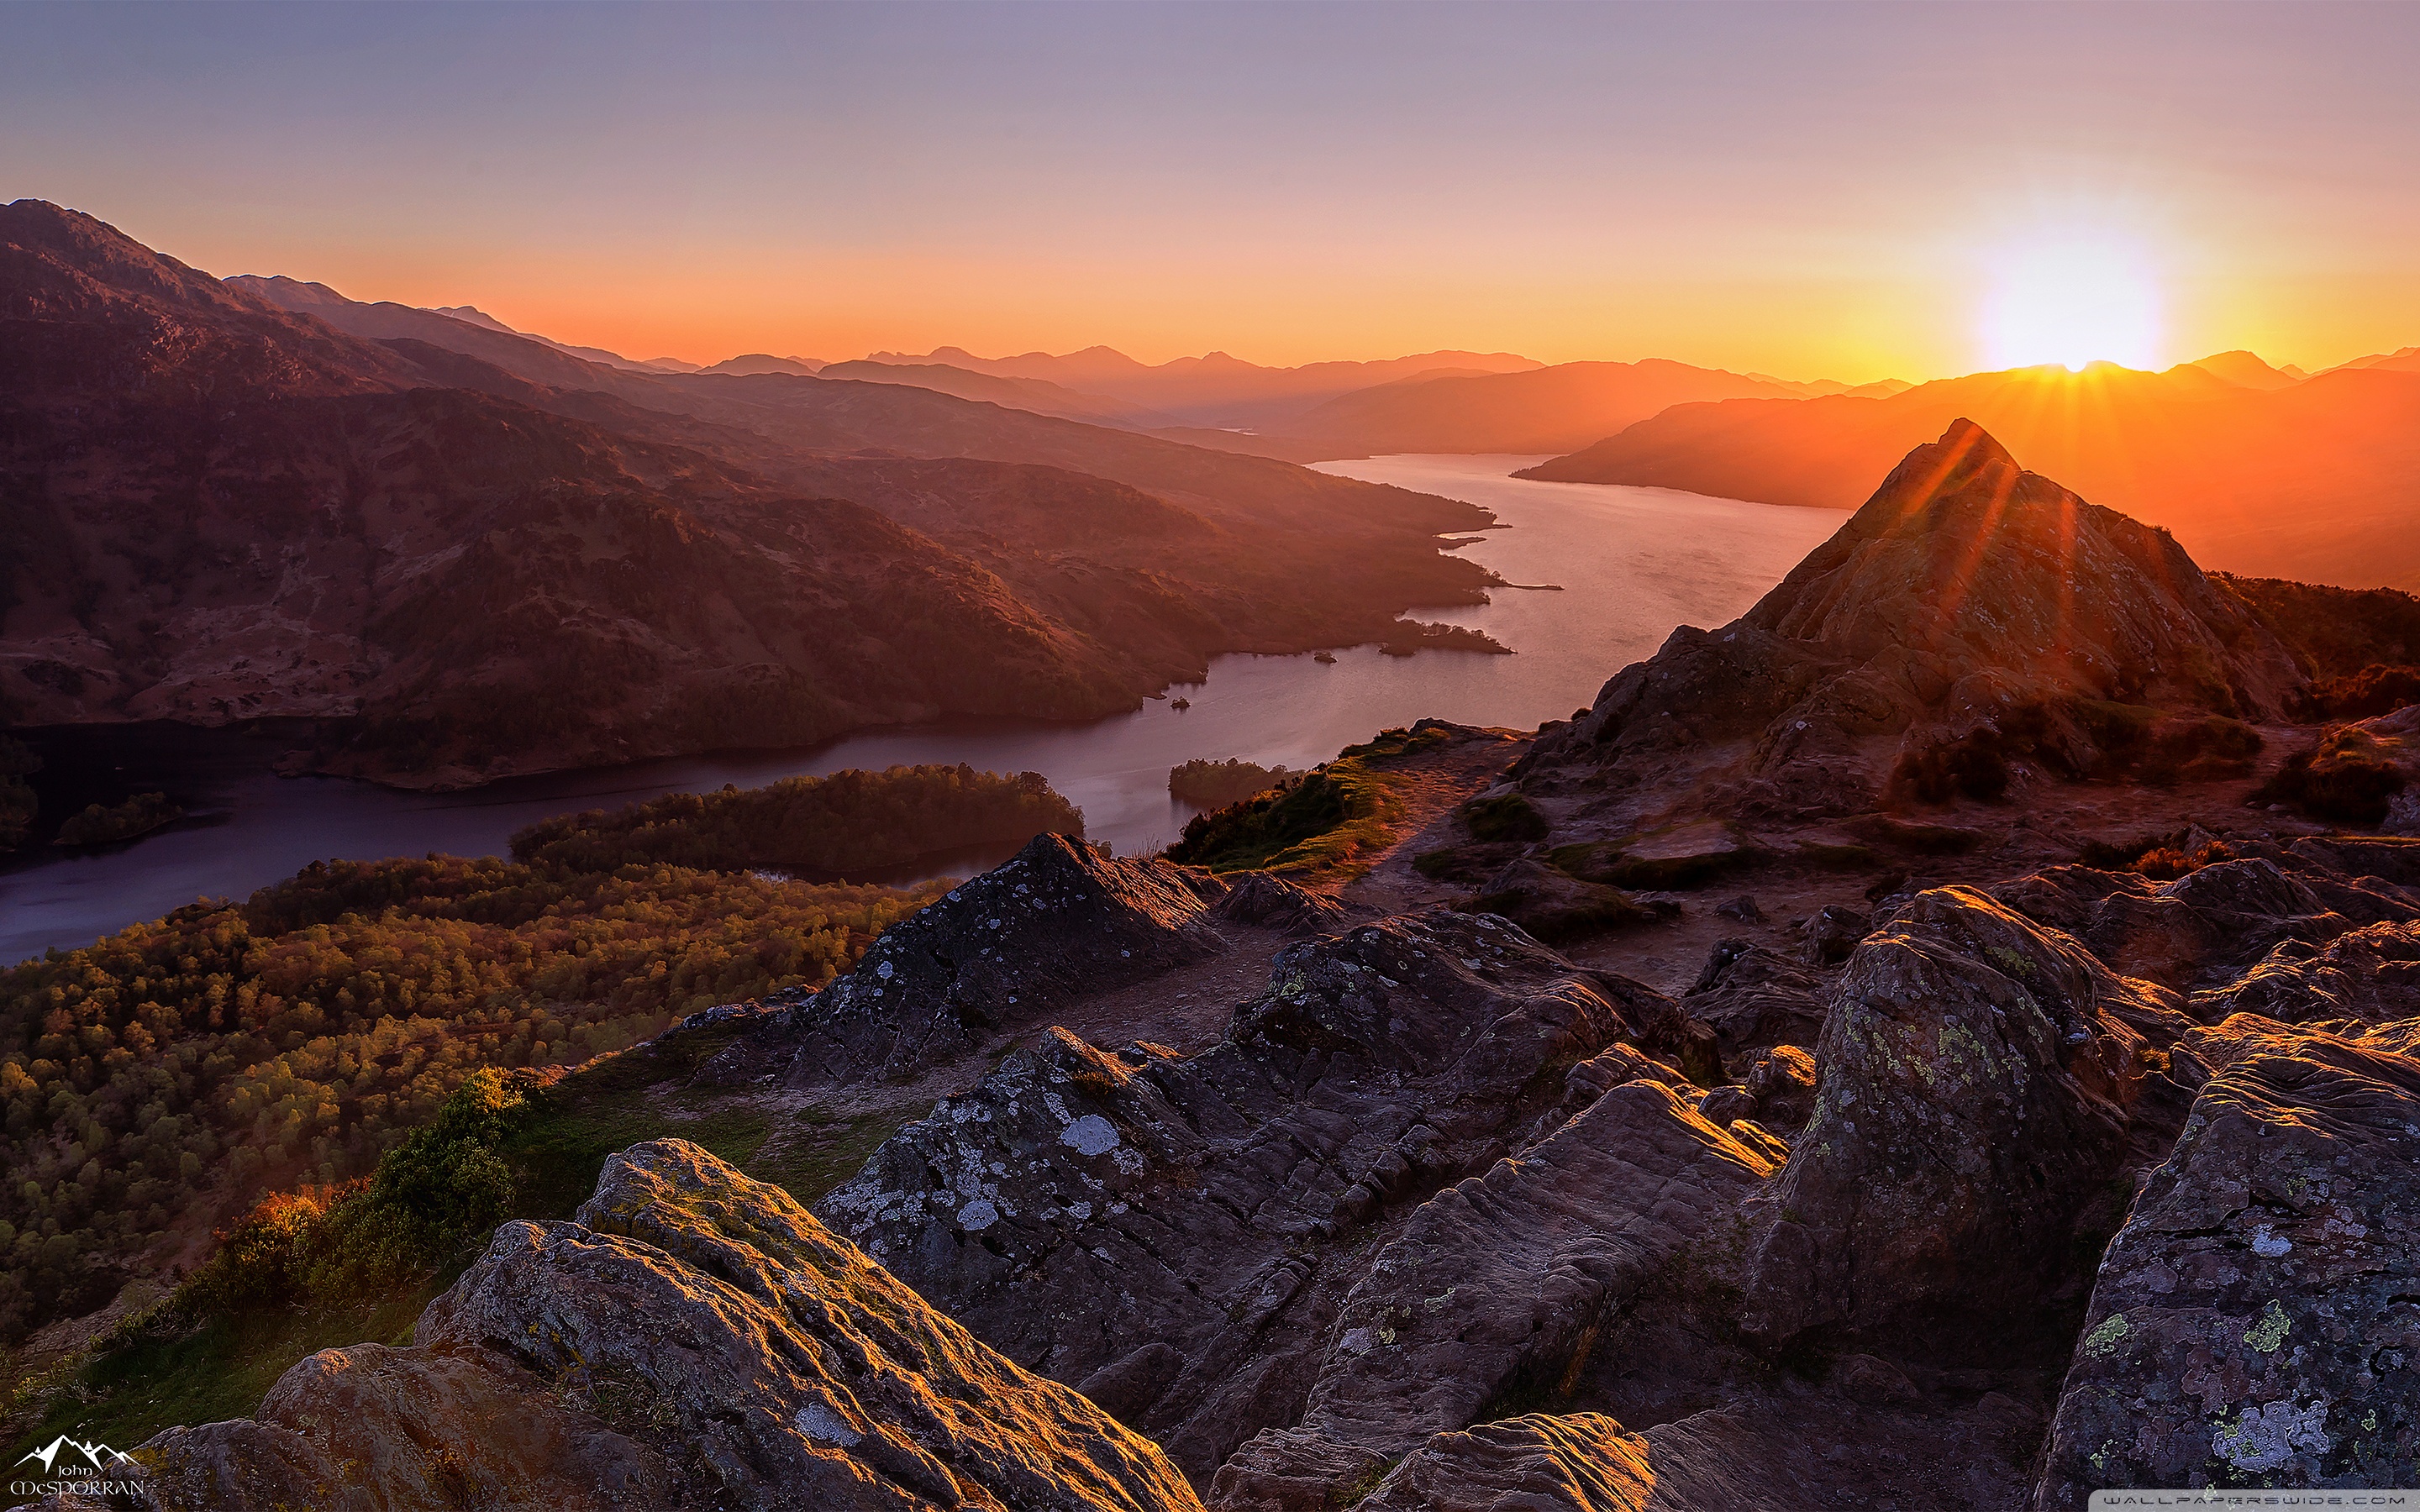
(1506, 816)
(219, 1371)
(1335, 819)
(557, 1155)
(821, 1152)
(2349, 776)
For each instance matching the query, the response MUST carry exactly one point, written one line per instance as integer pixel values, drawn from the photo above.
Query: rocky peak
(1973, 626)
(1966, 574)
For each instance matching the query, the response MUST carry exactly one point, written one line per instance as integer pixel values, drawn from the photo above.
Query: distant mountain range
(1541, 409)
(463, 552)
(2255, 471)
(1216, 390)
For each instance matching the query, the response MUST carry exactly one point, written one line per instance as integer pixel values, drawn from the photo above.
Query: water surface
(1631, 563)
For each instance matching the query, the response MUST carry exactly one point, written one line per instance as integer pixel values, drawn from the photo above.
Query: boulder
(1008, 948)
(1832, 933)
(1501, 1282)
(694, 1340)
(1780, 1086)
(1077, 1204)
(2256, 1322)
(1271, 902)
(1537, 1463)
(1551, 904)
(1975, 1082)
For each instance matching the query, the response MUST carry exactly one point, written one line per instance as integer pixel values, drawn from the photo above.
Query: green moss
(2270, 1331)
(219, 1370)
(2104, 1338)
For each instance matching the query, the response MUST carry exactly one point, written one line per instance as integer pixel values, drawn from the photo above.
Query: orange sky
(1808, 191)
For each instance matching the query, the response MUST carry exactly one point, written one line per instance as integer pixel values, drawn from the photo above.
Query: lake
(1631, 563)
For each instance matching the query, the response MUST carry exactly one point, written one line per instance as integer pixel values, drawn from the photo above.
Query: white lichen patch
(821, 1424)
(2264, 1438)
(1090, 1134)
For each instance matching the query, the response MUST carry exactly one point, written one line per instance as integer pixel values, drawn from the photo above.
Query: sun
(2073, 298)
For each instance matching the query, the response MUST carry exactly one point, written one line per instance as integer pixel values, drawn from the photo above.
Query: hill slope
(1545, 409)
(468, 553)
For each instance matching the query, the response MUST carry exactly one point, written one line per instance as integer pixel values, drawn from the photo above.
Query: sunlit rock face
(1968, 604)
(1180, 1232)
(1974, 1088)
(694, 1340)
(2257, 1322)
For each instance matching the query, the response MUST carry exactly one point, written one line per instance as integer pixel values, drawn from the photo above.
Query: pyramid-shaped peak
(1972, 444)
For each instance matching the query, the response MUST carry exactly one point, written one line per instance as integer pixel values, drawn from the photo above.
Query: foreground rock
(694, 1340)
(2256, 1322)
(1179, 1233)
(1008, 948)
(1503, 1282)
(1975, 1082)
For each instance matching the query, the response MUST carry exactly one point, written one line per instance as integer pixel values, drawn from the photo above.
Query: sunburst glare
(2073, 298)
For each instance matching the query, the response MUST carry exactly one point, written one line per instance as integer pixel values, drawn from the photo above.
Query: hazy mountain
(2246, 370)
(2405, 360)
(763, 363)
(1543, 409)
(2317, 480)
(1036, 394)
(219, 510)
(1822, 388)
(1216, 389)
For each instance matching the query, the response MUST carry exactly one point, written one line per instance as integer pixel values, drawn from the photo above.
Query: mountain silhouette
(2313, 480)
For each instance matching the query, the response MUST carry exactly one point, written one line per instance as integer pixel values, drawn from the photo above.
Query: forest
(163, 1080)
(849, 821)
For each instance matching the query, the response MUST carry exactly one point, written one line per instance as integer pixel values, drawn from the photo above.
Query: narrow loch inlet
(1630, 564)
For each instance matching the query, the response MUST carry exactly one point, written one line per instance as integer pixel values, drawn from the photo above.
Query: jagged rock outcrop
(2257, 1322)
(1090, 1212)
(1502, 1282)
(694, 1340)
(1010, 948)
(2370, 975)
(1271, 902)
(1954, 622)
(1582, 1463)
(2216, 932)
(1975, 1082)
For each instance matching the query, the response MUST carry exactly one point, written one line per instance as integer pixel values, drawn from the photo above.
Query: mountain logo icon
(100, 1455)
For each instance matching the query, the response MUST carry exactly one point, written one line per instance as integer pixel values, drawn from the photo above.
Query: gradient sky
(1808, 190)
